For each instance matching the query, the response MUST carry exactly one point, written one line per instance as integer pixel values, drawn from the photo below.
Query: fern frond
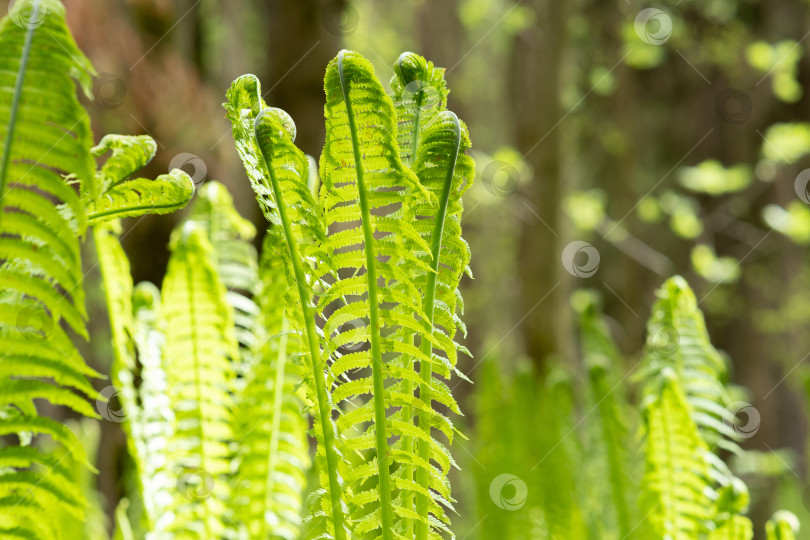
(166, 193)
(419, 93)
(736, 528)
(236, 263)
(274, 455)
(152, 418)
(433, 142)
(677, 339)
(277, 171)
(731, 502)
(675, 488)
(367, 195)
(783, 525)
(46, 135)
(199, 352)
(601, 359)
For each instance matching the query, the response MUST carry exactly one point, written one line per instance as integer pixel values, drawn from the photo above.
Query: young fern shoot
(383, 258)
(278, 173)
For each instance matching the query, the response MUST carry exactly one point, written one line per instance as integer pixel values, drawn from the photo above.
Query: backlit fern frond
(45, 135)
(271, 429)
(783, 525)
(677, 339)
(419, 93)
(675, 495)
(367, 195)
(731, 502)
(236, 261)
(122, 197)
(127, 154)
(151, 416)
(433, 142)
(278, 174)
(198, 355)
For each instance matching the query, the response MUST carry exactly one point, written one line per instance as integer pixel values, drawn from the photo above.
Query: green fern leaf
(677, 339)
(736, 528)
(278, 174)
(367, 193)
(783, 525)
(675, 487)
(166, 193)
(274, 454)
(433, 142)
(199, 352)
(731, 502)
(150, 416)
(235, 259)
(46, 135)
(419, 93)
(601, 359)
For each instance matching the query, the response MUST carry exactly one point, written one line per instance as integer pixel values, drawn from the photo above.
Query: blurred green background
(661, 138)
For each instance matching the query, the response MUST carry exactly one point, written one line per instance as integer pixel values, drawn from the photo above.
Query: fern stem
(324, 410)
(377, 367)
(15, 101)
(425, 369)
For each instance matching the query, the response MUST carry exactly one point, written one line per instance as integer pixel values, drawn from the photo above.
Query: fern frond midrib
(15, 103)
(381, 438)
(190, 279)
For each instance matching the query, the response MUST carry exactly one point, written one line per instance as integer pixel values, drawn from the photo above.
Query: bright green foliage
(419, 94)
(278, 173)
(46, 134)
(677, 339)
(198, 356)
(361, 173)
(271, 429)
(732, 501)
(41, 294)
(736, 528)
(611, 444)
(122, 197)
(674, 495)
(236, 262)
(782, 526)
(432, 141)
(381, 257)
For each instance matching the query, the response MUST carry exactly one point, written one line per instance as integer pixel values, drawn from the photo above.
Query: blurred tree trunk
(300, 38)
(537, 109)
